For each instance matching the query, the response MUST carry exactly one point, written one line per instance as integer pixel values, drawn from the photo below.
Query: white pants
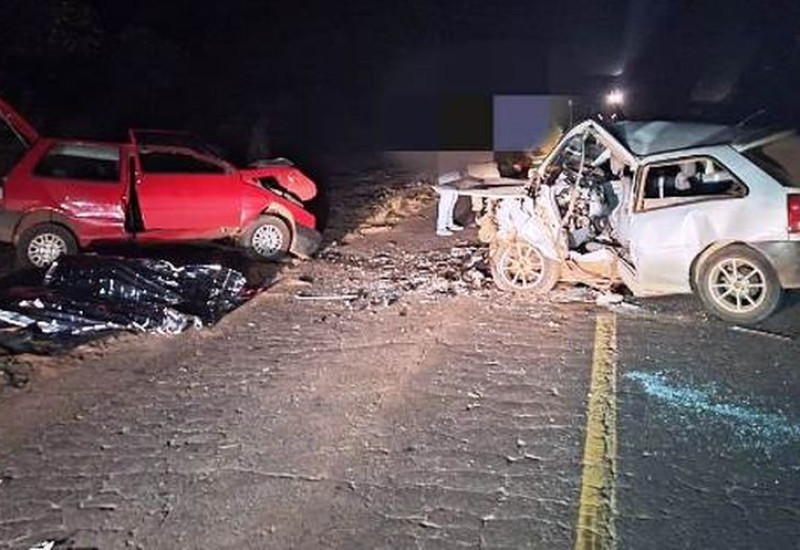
(447, 205)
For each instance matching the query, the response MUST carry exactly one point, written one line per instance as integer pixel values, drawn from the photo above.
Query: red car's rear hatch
(21, 127)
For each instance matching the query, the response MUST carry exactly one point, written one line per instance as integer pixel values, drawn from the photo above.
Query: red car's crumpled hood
(288, 177)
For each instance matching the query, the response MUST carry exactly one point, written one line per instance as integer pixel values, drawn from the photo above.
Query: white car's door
(681, 206)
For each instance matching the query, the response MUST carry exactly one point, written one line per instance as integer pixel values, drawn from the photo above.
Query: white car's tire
(738, 285)
(518, 266)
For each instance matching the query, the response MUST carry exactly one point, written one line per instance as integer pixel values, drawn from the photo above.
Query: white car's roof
(655, 137)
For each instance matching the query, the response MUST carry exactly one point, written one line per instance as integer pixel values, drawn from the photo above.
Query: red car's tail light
(793, 208)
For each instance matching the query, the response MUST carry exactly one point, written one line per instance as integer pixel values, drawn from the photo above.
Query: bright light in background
(615, 98)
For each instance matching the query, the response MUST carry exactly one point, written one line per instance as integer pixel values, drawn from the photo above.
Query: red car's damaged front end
(287, 191)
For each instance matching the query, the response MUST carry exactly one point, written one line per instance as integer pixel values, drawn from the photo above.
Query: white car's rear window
(780, 159)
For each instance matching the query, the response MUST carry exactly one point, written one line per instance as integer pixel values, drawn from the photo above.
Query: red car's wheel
(268, 239)
(41, 245)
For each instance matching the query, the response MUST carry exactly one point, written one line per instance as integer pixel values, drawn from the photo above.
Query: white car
(665, 208)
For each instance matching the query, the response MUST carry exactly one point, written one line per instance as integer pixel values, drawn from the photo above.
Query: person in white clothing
(448, 197)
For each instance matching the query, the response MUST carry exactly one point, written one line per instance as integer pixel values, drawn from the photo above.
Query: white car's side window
(685, 181)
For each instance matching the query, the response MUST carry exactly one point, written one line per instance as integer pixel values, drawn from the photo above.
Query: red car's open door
(180, 187)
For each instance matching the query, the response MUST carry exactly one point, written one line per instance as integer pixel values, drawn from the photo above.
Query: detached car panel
(60, 195)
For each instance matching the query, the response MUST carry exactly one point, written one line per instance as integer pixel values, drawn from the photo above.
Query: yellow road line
(596, 529)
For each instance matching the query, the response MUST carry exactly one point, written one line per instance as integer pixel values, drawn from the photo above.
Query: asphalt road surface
(462, 420)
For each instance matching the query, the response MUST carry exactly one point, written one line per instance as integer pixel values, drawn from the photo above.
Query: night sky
(325, 74)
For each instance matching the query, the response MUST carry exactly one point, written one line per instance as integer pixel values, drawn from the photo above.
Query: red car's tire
(269, 238)
(40, 245)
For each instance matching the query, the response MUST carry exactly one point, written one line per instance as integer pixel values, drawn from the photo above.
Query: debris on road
(330, 298)
(758, 332)
(87, 297)
(14, 373)
(609, 298)
(384, 277)
(750, 426)
(65, 543)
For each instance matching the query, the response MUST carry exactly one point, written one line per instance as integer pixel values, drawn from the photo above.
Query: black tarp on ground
(84, 298)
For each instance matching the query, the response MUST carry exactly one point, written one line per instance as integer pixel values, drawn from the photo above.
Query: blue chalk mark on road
(751, 426)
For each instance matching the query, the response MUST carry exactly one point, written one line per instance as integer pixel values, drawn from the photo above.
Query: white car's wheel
(269, 238)
(43, 244)
(520, 266)
(738, 285)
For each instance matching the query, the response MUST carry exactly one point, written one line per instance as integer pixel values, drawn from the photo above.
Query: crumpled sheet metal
(87, 296)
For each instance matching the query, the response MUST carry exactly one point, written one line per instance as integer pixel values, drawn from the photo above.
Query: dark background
(318, 77)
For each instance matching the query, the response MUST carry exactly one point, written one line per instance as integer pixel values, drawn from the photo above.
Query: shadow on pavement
(6, 259)
(783, 323)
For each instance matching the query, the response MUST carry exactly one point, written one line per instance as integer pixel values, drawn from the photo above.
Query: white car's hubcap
(522, 265)
(267, 240)
(737, 285)
(46, 248)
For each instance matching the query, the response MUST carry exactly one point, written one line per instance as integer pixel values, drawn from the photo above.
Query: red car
(58, 196)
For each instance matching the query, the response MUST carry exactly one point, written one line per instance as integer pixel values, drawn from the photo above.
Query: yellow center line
(595, 529)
